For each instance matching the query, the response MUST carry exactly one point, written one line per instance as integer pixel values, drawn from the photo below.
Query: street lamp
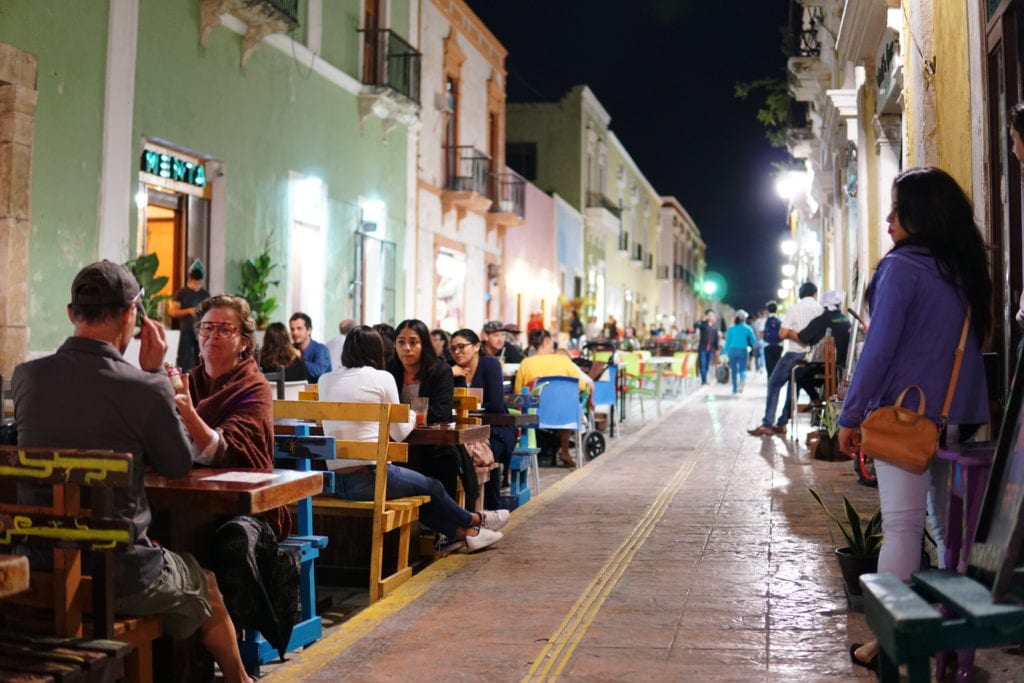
(787, 284)
(788, 247)
(788, 270)
(709, 289)
(783, 294)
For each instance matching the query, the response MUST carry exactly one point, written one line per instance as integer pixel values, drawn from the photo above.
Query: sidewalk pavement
(689, 551)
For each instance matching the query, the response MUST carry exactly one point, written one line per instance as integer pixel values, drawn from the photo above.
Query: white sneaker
(493, 519)
(484, 537)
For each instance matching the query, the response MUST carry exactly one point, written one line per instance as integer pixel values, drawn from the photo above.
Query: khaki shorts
(180, 595)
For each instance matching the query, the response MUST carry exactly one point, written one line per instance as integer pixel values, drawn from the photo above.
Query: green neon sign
(173, 168)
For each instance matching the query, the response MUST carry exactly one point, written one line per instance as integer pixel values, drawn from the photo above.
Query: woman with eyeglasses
(362, 379)
(225, 401)
(476, 371)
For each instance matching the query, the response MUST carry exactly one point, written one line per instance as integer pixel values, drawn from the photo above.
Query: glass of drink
(419, 406)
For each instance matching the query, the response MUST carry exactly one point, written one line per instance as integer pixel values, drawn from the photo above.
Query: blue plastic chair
(604, 394)
(560, 407)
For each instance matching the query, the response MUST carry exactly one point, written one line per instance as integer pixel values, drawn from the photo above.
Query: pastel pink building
(530, 265)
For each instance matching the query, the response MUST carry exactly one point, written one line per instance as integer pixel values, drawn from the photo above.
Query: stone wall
(17, 128)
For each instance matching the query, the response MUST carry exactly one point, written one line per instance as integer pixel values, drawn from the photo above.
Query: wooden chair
(58, 600)
(397, 514)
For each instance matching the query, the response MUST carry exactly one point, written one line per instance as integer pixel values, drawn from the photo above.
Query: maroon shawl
(239, 405)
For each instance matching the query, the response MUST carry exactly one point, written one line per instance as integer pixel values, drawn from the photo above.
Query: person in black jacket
(419, 372)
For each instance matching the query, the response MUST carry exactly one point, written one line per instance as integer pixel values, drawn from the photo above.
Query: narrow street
(688, 551)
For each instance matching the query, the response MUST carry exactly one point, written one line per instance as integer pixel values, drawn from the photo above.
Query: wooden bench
(387, 515)
(939, 611)
(58, 599)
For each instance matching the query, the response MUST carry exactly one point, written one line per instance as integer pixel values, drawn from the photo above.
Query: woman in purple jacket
(918, 299)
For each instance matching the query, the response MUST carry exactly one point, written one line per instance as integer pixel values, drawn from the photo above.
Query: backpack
(771, 330)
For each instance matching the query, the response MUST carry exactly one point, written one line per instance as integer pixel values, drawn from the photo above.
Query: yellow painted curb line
(339, 638)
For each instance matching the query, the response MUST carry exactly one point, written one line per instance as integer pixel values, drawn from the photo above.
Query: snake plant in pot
(863, 538)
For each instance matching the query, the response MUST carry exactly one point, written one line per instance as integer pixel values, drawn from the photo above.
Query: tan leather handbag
(906, 438)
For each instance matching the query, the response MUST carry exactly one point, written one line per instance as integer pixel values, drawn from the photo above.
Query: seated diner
(225, 401)
(362, 379)
(545, 363)
(87, 395)
(277, 353)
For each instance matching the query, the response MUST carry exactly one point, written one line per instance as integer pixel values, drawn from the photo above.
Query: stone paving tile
(736, 581)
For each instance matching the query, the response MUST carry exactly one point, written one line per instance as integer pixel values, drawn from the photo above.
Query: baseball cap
(832, 298)
(493, 326)
(512, 328)
(104, 283)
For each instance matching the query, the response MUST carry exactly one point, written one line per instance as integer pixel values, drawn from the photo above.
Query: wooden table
(447, 436)
(506, 419)
(13, 574)
(204, 489)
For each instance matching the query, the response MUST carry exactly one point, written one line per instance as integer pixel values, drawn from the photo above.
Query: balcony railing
(649, 262)
(508, 190)
(289, 8)
(393, 63)
(662, 272)
(638, 252)
(466, 169)
(624, 242)
(597, 200)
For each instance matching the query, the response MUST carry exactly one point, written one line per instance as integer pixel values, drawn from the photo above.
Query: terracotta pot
(853, 566)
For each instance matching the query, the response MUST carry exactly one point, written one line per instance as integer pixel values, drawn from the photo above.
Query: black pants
(772, 354)
(492, 490)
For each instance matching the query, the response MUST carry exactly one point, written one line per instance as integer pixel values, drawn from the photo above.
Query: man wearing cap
(314, 354)
(87, 395)
(497, 345)
(336, 344)
(182, 308)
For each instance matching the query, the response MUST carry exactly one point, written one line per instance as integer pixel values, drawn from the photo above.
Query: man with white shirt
(793, 351)
(336, 344)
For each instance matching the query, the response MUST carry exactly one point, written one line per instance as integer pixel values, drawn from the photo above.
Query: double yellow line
(561, 645)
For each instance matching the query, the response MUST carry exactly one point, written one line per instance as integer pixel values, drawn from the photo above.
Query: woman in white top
(362, 379)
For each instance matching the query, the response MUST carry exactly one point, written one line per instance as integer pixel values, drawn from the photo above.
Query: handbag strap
(957, 359)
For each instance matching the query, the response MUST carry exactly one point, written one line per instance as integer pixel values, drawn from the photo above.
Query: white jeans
(906, 500)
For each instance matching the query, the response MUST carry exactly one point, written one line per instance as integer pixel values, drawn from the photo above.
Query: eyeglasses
(458, 348)
(408, 343)
(217, 330)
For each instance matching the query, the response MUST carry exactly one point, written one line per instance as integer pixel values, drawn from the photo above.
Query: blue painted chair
(560, 407)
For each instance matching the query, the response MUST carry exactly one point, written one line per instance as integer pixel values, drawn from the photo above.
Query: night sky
(665, 70)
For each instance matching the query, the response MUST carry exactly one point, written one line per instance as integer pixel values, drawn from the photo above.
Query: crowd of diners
(220, 414)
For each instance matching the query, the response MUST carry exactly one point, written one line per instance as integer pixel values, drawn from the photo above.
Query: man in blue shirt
(314, 354)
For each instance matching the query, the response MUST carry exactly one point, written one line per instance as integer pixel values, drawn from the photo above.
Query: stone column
(17, 129)
(887, 145)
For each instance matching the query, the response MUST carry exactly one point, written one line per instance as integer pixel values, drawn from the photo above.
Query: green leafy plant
(144, 269)
(256, 282)
(864, 538)
(775, 107)
(830, 419)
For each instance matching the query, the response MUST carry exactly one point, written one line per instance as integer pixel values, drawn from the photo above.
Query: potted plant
(144, 268)
(827, 447)
(864, 540)
(255, 284)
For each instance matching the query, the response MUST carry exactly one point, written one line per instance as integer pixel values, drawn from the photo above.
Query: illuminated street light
(710, 288)
(788, 269)
(788, 247)
(783, 294)
(787, 284)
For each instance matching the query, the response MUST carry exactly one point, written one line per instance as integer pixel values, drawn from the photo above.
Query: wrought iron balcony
(801, 38)
(466, 169)
(289, 8)
(508, 190)
(624, 242)
(597, 200)
(638, 253)
(392, 63)
(663, 272)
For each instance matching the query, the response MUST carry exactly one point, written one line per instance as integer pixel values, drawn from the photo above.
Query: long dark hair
(427, 355)
(936, 212)
(277, 347)
(363, 347)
